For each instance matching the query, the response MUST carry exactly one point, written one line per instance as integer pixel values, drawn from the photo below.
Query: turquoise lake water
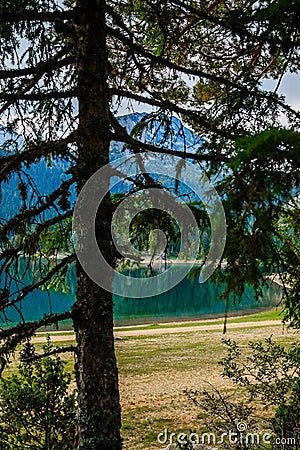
(186, 300)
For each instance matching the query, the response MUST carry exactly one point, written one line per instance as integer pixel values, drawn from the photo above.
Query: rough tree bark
(96, 369)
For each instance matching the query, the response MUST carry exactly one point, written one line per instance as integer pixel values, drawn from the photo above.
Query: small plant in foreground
(37, 410)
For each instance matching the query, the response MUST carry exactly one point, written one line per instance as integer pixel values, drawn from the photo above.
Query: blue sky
(290, 87)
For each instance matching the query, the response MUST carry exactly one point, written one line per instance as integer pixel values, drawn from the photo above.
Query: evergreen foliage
(64, 68)
(37, 407)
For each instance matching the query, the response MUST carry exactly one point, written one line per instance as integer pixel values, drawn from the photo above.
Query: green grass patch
(274, 314)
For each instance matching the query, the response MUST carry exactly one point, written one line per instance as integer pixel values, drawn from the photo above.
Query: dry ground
(157, 365)
(156, 369)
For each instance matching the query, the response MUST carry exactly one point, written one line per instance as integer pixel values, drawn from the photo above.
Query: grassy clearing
(155, 370)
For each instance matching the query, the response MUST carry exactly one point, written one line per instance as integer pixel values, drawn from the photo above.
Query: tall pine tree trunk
(96, 369)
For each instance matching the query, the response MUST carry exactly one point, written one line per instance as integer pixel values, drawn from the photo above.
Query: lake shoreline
(169, 320)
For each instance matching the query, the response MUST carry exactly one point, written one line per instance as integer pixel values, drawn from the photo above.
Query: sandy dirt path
(62, 337)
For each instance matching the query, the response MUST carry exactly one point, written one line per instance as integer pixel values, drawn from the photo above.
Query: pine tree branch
(198, 12)
(167, 105)
(42, 68)
(56, 351)
(53, 221)
(19, 219)
(40, 227)
(37, 96)
(23, 331)
(247, 89)
(165, 62)
(121, 135)
(236, 24)
(35, 152)
(37, 16)
(22, 293)
(27, 86)
(17, 225)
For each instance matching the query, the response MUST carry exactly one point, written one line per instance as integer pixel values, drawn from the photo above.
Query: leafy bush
(36, 407)
(268, 376)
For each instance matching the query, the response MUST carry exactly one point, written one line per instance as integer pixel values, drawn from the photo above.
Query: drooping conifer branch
(24, 217)
(138, 146)
(34, 152)
(17, 334)
(55, 351)
(28, 15)
(20, 294)
(55, 63)
(37, 96)
(171, 106)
